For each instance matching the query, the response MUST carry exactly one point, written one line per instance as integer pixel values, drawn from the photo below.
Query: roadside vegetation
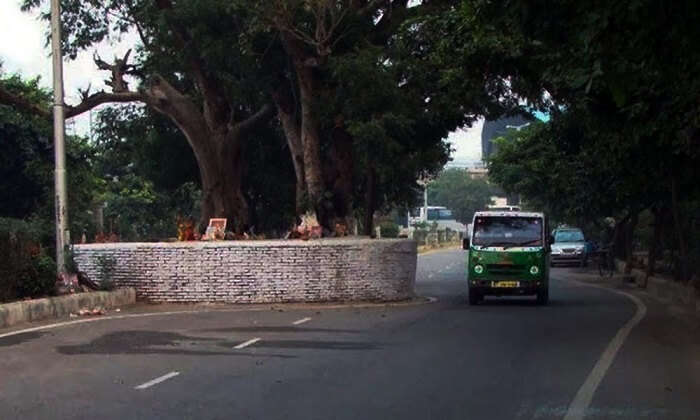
(462, 194)
(264, 112)
(619, 154)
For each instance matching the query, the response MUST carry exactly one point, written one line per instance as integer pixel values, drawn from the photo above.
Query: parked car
(569, 246)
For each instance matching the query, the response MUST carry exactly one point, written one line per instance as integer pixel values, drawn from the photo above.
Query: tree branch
(100, 98)
(89, 102)
(265, 113)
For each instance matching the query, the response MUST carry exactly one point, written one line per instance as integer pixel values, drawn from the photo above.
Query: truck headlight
(478, 269)
(534, 270)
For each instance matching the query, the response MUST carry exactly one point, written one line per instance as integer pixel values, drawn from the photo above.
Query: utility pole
(59, 146)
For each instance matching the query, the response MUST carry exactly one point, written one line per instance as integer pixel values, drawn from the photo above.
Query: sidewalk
(679, 299)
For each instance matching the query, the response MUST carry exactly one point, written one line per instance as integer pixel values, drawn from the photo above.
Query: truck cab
(508, 255)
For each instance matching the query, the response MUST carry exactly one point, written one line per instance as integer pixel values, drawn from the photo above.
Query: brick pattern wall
(257, 271)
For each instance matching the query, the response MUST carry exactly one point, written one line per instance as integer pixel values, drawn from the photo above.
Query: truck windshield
(508, 231)
(568, 236)
(440, 214)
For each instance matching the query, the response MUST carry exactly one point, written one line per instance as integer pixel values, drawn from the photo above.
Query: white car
(569, 247)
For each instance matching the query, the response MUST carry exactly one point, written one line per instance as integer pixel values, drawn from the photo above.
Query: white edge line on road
(157, 380)
(247, 343)
(301, 321)
(584, 396)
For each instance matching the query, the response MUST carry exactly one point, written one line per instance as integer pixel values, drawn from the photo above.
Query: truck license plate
(505, 284)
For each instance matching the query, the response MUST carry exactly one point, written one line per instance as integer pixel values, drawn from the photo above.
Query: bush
(26, 270)
(389, 230)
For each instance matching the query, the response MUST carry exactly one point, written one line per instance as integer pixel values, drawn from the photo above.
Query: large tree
(189, 67)
(366, 94)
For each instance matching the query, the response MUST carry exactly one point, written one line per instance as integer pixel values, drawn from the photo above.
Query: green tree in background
(457, 191)
(28, 163)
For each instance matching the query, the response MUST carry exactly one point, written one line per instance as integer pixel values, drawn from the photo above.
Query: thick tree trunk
(339, 173)
(655, 245)
(311, 142)
(618, 239)
(678, 226)
(370, 201)
(222, 195)
(218, 148)
(629, 242)
(290, 126)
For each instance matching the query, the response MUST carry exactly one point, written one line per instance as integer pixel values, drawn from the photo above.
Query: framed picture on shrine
(216, 229)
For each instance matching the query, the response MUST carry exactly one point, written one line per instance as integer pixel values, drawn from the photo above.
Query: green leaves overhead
(457, 191)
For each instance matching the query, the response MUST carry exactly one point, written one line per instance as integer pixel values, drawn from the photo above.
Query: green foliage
(150, 176)
(389, 229)
(27, 165)
(26, 270)
(27, 155)
(457, 191)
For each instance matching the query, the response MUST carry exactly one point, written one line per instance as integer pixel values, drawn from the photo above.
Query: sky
(23, 50)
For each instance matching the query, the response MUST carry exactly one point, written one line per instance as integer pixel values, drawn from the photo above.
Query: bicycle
(606, 262)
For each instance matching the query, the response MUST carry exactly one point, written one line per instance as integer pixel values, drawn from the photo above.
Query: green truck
(508, 255)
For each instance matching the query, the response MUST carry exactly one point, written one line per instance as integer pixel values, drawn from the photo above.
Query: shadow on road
(524, 302)
(14, 340)
(155, 342)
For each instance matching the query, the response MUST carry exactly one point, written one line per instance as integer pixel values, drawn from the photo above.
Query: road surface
(582, 356)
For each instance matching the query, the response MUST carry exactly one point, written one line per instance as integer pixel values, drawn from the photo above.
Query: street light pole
(59, 129)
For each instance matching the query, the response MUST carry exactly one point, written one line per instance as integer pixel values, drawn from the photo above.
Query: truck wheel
(474, 298)
(543, 296)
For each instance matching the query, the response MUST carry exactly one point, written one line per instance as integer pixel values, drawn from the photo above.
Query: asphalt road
(505, 359)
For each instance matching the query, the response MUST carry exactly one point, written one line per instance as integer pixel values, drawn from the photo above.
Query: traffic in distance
(510, 251)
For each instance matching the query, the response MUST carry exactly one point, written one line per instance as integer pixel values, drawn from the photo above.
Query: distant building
(478, 173)
(465, 163)
(498, 128)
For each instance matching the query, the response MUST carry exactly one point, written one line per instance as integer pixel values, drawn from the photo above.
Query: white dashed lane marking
(247, 343)
(157, 380)
(301, 321)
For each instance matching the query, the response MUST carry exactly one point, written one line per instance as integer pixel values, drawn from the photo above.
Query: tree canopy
(457, 191)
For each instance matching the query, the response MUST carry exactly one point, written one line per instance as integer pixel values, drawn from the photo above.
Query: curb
(427, 251)
(667, 293)
(62, 306)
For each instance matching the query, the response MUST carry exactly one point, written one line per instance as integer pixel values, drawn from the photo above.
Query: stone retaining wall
(257, 271)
